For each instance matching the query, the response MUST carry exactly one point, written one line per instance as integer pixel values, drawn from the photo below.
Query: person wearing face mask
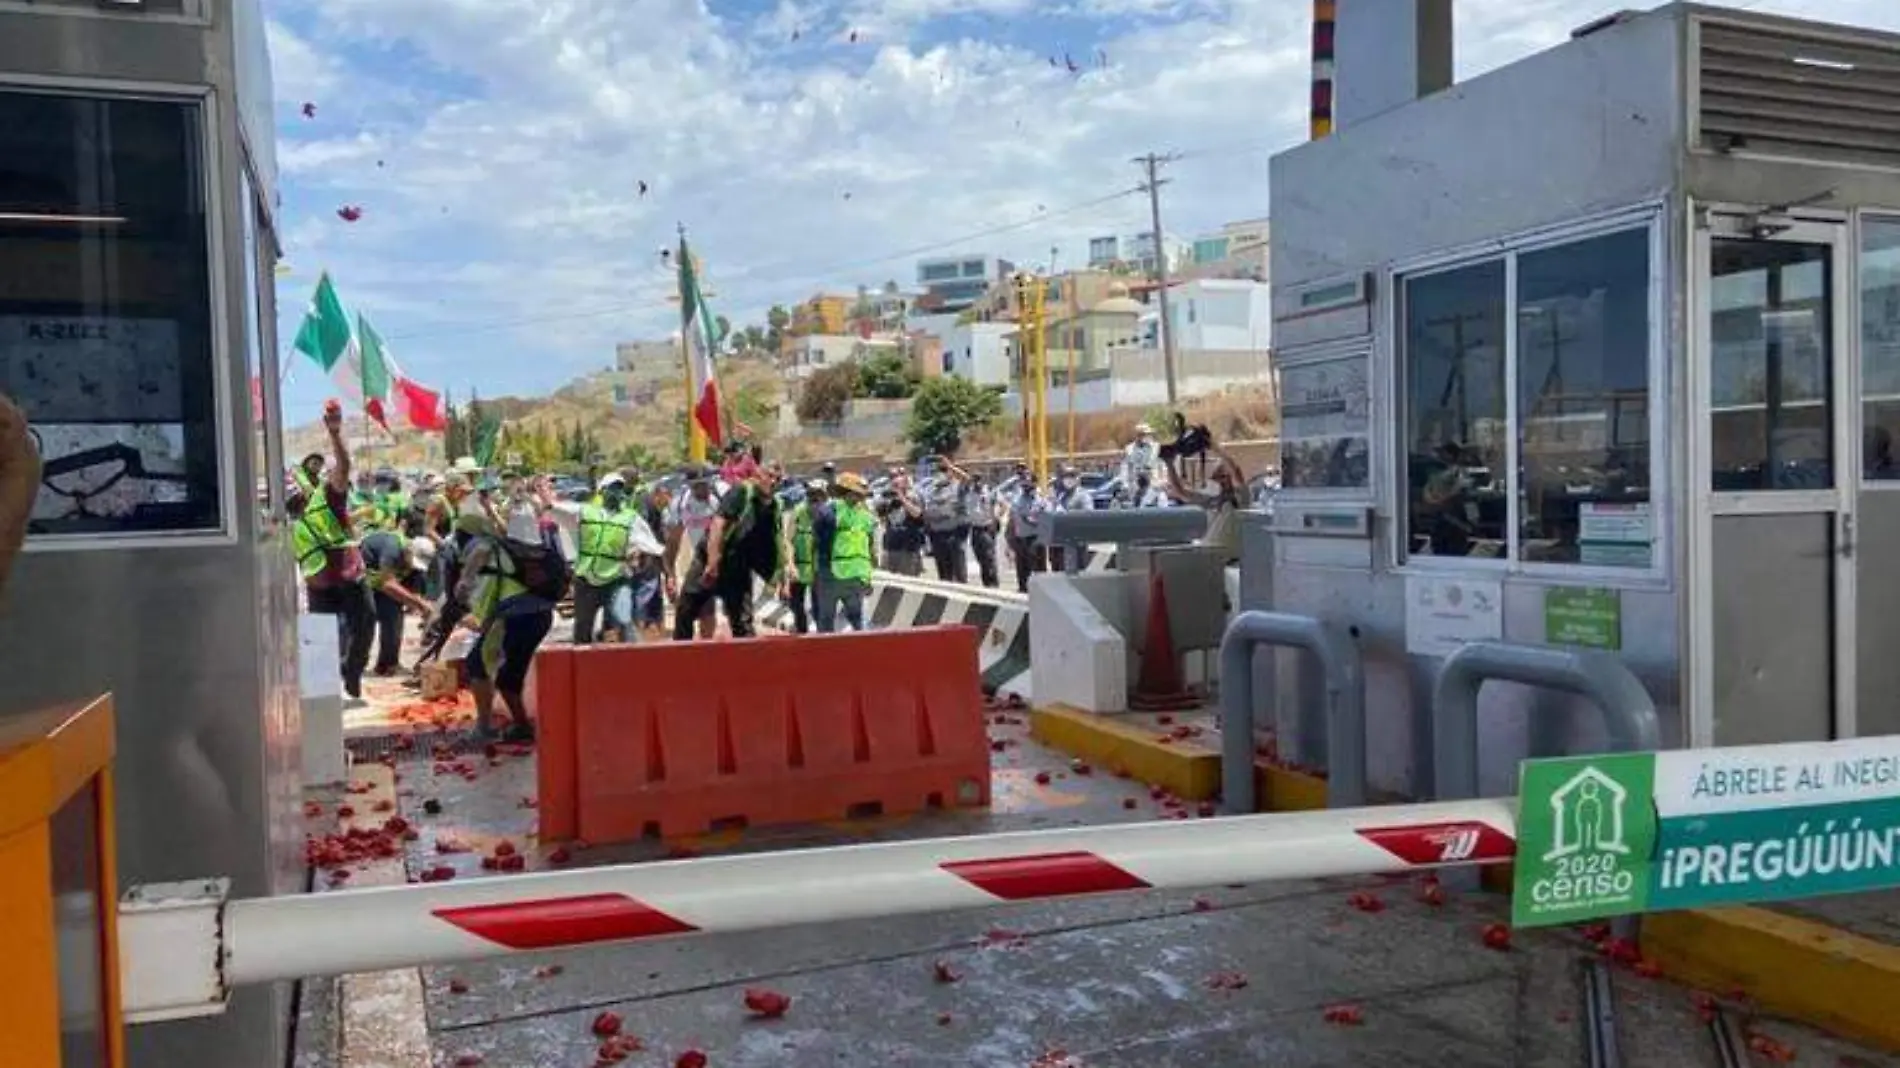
(608, 538)
(1067, 496)
(744, 543)
(322, 534)
(904, 534)
(1221, 497)
(1141, 460)
(1026, 507)
(689, 518)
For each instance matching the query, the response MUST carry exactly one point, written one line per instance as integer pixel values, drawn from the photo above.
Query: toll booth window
(1456, 412)
(1771, 420)
(1880, 348)
(105, 323)
(1583, 358)
(79, 927)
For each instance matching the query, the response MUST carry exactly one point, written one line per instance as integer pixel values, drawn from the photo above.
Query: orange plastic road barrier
(675, 738)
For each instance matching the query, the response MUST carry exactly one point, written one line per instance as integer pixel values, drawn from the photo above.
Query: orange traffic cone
(1160, 687)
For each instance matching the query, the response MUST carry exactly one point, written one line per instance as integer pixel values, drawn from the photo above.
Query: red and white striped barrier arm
(267, 939)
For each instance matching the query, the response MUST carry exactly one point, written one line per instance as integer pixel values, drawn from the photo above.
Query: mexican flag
(385, 387)
(696, 326)
(355, 357)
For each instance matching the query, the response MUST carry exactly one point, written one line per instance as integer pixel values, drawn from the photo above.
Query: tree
(944, 409)
(722, 329)
(826, 392)
(886, 376)
(776, 320)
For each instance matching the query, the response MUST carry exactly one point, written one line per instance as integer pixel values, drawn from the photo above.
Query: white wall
(980, 352)
(1221, 315)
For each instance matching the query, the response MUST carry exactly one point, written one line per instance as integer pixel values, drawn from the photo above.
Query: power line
(758, 277)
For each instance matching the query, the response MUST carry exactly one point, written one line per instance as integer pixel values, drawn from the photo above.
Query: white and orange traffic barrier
(184, 946)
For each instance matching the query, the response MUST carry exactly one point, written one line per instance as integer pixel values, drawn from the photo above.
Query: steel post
(1342, 717)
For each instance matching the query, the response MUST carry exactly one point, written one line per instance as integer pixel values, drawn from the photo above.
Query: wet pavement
(1350, 972)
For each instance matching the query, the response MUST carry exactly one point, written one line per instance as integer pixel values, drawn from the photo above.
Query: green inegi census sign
(1646, 832)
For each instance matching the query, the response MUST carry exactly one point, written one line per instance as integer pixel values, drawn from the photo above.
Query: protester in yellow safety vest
(745, 542)
(608, 538)
(510, 619)
(844, 533)
(320, 534)
(397, 567)
(801, 579)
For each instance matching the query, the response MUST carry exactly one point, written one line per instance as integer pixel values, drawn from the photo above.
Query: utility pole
(1151, 163)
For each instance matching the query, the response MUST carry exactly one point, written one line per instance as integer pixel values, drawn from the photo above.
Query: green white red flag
(357, 359)
(696, 327)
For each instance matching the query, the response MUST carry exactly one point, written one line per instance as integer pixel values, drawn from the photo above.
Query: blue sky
(494, 148)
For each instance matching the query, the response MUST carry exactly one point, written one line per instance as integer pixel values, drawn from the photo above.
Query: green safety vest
(603, 545)
(390, 509)
(504, 584)
(804, 541)
(851, 546)
(318, 531)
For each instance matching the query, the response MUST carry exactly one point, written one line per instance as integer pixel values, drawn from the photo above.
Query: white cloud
(512, 135)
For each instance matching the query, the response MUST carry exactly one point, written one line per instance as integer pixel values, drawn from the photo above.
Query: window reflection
(1455, 411)
(1880, 348)
(105, 333)
(1583, 346)
(1770, 415)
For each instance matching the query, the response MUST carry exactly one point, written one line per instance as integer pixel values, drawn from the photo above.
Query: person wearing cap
(1068, 495)
(396, 566)
(1142, 458)
(904, 534)
(322, 537)
(843, 536)
(946, 498)
(745, 542)
(987, 515)
(688, 519)
(1026, 507)
(801, 579)
(509, 619)
(608, 537)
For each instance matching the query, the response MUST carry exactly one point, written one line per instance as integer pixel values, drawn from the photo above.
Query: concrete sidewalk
(1362, 973)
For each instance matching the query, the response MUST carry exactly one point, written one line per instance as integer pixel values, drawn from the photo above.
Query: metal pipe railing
(1629, 714)
(1344, 714)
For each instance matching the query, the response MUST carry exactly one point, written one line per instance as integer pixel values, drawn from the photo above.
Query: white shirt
(524, 521)
(693, 515)
(1140, 458)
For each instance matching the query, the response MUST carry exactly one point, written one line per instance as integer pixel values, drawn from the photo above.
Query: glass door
(1777, 460)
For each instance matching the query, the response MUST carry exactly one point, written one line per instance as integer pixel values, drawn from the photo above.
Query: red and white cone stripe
(268, 939)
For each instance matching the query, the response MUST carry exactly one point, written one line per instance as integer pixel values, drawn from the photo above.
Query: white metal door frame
(1705, 504)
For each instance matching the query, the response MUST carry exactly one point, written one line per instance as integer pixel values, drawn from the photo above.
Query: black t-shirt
(751, 542)
(382, 551)
(903, 532)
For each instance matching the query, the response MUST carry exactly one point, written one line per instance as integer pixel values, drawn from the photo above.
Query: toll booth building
(1600, 350)
(138, 333)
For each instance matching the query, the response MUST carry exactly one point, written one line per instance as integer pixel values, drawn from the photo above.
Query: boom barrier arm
(183, 946)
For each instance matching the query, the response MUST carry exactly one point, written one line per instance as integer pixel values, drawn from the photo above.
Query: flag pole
(695, 435)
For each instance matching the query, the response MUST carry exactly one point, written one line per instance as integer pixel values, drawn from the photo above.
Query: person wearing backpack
(745, 541)
(510, 587)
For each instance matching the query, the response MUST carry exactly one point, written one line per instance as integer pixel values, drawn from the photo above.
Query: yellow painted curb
(1811, 972)
(1285, 790)
(1185, 769)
